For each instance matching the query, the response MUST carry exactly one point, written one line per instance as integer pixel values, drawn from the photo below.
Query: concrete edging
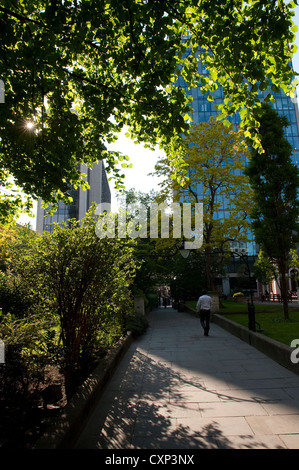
(63, 431)
(277, 351)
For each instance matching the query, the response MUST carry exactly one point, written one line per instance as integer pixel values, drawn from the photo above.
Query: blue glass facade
(204, 109)
(64, 212)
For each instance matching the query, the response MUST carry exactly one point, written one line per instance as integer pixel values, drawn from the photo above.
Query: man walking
(204, 308)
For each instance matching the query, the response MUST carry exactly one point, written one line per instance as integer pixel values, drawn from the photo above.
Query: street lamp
(251, 309)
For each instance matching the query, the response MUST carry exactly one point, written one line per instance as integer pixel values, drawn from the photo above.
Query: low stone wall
(277, 351)
(62, 432)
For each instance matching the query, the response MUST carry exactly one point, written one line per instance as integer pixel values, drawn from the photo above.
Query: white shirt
(204, 303)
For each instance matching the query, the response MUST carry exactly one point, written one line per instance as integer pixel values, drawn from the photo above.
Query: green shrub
(137, 324)
(84, 281)
(152, 300)
(238, 294)
(21, 375)
(14, 297)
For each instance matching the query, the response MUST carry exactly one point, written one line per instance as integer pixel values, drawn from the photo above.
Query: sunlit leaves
(117, 63)
(214, 158)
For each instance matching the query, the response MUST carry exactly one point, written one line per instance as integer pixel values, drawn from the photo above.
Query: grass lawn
(230, 306)
(270, 318)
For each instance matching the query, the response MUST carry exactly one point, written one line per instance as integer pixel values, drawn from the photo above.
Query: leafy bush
(238, 294)
(14, 298)
(85, 282)
(22, 374)
(153, 300)
(137, 324)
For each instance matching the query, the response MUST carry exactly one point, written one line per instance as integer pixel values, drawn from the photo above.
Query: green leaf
(213, 75)
(243, 112)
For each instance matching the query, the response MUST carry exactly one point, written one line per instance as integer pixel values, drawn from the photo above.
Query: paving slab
(177, 389)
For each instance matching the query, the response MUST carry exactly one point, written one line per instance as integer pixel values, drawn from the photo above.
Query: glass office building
(99, 192)
(204, 109)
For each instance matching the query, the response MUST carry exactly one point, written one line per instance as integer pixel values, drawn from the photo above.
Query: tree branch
(24, 19)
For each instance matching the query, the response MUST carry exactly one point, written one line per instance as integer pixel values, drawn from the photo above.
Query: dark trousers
(204, 316)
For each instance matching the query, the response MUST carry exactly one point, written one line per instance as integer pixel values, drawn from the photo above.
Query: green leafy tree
(155, 255)
(189, 276)
(84, 282)
(14, 297)
(75, 73)
(264, 270)
(216, 158)
(11, 239)
(275, 183)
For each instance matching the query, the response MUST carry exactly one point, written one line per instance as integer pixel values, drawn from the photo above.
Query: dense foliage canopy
(76, 72)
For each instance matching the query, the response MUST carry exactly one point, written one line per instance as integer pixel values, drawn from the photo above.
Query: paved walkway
(177, 389)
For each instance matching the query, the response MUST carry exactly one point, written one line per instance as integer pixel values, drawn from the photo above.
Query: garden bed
(22, 421)
(52, 420)
(63, 431)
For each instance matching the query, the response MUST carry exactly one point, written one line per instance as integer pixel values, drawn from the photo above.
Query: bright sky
(144, 160)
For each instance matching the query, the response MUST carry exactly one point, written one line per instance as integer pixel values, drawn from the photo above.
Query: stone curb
(277, 351)
(63, 431)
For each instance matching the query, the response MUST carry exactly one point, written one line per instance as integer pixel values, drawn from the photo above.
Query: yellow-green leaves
(213, 174)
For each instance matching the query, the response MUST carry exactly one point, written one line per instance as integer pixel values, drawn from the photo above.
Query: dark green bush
(137, 324)
(152, 300)
(14, 298)
(21, 376)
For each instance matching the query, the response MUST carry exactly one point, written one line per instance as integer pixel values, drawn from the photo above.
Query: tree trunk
(284, 290)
